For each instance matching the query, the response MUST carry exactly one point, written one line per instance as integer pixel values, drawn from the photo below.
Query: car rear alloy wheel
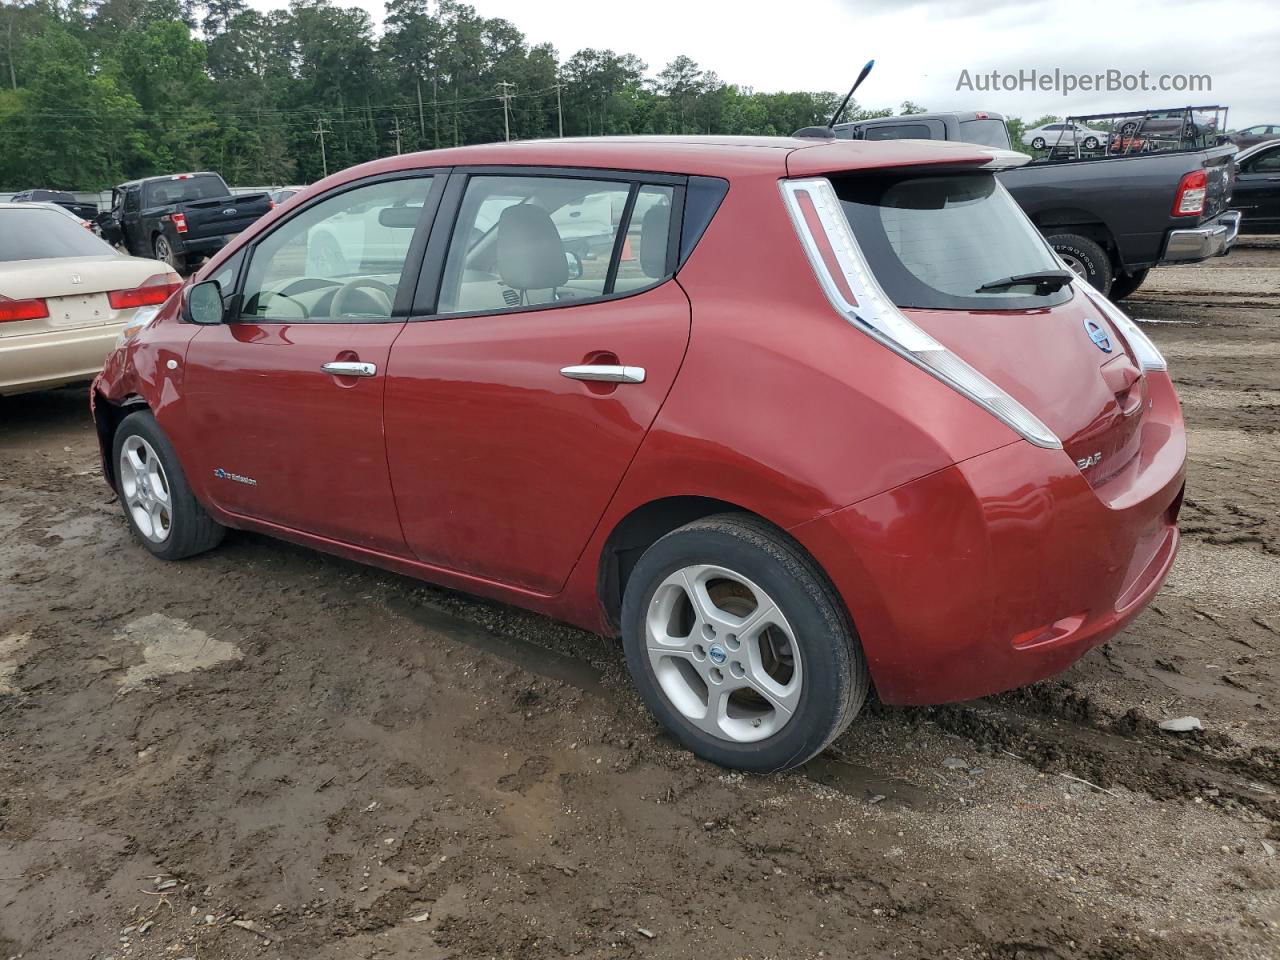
(157, 500)
(739, 644)
(164, 252)
(723, 653)
(145, 489)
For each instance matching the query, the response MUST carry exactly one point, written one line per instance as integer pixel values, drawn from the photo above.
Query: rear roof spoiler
(839, 156)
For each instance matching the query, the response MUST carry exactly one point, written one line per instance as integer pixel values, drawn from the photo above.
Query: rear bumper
(201, 246)
(42, 361)
(1214, 238)
(1006, 568)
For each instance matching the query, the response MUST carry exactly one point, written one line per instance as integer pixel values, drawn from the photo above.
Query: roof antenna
(828, 132)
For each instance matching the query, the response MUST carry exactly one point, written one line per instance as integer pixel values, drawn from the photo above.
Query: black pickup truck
(1111, 218)
(179, 218)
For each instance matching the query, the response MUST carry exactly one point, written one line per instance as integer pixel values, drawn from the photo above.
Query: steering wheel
(270, 302)
(382, 294)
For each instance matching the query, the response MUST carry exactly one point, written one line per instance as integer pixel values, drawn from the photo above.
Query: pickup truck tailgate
(223, 215)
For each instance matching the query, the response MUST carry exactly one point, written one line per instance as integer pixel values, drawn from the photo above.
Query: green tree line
(94, 92)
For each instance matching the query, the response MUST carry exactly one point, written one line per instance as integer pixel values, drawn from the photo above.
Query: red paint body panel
(970, 560)
(947, 572)
(502, 466)
(259, 406)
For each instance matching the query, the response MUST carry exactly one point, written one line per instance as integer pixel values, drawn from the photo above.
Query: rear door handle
(604, 373)
(349, 368)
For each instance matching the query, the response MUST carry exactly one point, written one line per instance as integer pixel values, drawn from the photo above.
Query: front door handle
(604, 373)
(349, 368)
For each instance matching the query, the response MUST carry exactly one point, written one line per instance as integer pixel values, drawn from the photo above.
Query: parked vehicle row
(784, 403)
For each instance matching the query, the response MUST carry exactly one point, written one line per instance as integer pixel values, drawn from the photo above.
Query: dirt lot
(265, 752)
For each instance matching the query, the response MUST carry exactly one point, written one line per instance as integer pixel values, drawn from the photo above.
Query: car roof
(714, 156)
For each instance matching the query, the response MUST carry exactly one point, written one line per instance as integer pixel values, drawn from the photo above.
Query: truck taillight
(13, 310)
(845, 276)
(1189, 200)
(179, 222)
(150, 292)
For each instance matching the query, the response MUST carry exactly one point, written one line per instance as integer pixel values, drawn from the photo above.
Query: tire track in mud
(1056, 730)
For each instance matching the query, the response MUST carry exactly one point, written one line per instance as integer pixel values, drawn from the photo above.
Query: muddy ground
(265, 752)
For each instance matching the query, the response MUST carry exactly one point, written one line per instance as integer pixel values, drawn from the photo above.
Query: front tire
(740, 646)
(1091, 143)
(1085, 258)
(158, 504)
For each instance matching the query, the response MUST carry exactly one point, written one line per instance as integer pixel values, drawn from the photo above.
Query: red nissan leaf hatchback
(792, 417)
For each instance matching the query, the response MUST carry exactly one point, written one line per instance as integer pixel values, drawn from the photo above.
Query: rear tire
(163, 250)
(1085, 258)
(784, 689)
(1124, 286)
(158, 504)
(1037, 143)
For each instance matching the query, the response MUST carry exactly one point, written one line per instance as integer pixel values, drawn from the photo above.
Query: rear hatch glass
(951, 252)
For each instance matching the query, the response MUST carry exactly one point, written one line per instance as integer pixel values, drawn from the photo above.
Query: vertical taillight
(1189, 200)
(179, 222)
(1145, 352)
(847, 280)
(14, 310)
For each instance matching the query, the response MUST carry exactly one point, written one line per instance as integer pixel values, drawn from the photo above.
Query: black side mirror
(204, 303)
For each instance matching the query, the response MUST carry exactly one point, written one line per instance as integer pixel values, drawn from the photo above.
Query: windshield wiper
(1045, 281)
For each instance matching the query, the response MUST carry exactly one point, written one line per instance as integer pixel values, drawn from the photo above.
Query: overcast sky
(921, 46)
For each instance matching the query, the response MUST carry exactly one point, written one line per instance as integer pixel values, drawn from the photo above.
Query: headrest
(654, 233)
(529, 251)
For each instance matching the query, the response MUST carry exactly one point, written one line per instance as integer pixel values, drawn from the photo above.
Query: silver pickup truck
(1110, 216)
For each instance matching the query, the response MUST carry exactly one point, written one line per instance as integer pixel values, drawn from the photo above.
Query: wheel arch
(1082, 222)
(645, 525)
(107, 416)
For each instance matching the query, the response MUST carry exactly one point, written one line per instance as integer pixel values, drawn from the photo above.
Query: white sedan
(65, 296)
(1063, 135)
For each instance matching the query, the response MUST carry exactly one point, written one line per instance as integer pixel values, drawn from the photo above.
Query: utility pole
(422, 124)
(397, 133)
(504, 94)
(560, 107)
(320, 131)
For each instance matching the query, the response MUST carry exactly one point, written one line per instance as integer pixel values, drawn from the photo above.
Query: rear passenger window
(537, 241)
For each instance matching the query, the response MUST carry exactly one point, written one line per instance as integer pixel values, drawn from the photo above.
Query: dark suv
(85, 211)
